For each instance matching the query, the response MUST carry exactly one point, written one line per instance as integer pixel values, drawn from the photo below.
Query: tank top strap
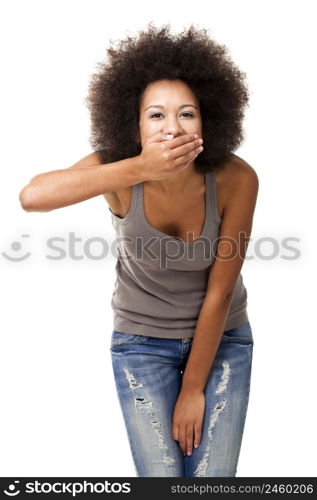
(137, 200)
(134, 206)
(208, 187)
(213, 195)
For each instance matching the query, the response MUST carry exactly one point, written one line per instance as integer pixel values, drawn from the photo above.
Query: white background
(60, 415)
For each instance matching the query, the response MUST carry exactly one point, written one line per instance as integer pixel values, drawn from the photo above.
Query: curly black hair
(115, 92)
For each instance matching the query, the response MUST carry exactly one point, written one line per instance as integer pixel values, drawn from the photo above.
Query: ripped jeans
(148, 376)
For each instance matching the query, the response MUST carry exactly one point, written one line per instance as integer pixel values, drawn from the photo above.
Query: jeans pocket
(119, 339)
(240, 334)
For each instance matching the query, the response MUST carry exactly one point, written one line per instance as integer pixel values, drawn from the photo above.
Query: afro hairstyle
(116, 89)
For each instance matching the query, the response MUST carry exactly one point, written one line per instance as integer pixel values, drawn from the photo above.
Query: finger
(185, 149)
(189, 439)
(157, 137)
(175, 432)
(197, 435)
(182, 439)
(185, 159)
(187, 139)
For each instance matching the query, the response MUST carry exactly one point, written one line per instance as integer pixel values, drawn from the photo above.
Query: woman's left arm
(233, 241)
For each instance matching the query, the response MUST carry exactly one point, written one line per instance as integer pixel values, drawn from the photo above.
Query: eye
(184, 113)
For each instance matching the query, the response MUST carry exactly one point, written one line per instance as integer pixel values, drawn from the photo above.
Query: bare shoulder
(236, 178)
(235, 171)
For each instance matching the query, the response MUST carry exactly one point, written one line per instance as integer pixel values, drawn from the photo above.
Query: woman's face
(169, 107)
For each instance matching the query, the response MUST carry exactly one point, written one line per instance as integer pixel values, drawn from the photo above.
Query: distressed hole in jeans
(222, 386)
(147, 406)
(203, 464)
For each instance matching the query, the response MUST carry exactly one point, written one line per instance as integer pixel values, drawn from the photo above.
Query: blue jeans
(148, 375)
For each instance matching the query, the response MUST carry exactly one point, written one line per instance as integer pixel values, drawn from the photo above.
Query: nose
(171, 132)
(172, 127)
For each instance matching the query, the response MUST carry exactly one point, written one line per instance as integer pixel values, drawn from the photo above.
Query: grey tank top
(161, 281)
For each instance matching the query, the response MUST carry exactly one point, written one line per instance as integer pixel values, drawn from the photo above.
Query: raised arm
(90, 177)
(85, 179)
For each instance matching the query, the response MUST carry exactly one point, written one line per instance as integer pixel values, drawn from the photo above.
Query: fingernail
(189, 453)
(196, 445)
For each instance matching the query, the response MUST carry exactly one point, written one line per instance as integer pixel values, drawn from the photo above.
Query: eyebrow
(160, 106)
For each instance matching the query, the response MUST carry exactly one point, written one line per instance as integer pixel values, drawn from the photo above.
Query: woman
(182, 343)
